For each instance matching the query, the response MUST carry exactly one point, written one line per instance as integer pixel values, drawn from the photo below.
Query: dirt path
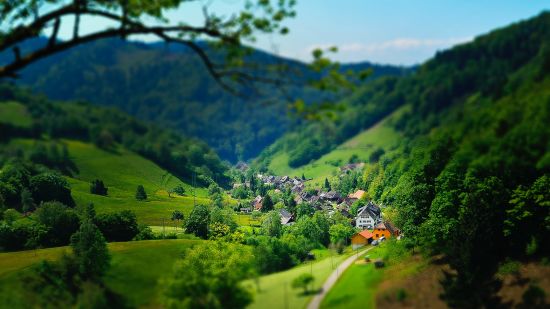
(315, 303)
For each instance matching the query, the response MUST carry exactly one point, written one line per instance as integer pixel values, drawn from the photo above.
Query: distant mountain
(167, 84)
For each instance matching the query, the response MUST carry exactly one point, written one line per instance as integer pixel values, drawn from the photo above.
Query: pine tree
(90, 251)
(327, 185)
(140, 193)
(267, 204)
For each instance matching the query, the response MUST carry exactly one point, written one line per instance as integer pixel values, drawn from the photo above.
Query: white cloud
(399, 50)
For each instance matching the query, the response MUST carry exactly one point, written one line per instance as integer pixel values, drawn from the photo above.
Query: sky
(398, 32)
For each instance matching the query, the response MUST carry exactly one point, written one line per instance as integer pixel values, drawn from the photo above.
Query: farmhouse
(368, 216)
(385, 229)
(361, 239)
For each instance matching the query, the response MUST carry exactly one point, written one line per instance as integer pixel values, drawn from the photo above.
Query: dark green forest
(107, 128)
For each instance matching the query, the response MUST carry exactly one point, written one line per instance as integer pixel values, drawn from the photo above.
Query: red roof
(366, 233)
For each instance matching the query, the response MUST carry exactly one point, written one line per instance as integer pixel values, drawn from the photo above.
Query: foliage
(60, 222)
(51, 187)
(267, 203)
(179, 190)
(209, 276)
(271, 224)
(197, 223)
(118, 226)
(90, 251)
(144, 233)
(341, 233)
(97, 187)
(141, 195)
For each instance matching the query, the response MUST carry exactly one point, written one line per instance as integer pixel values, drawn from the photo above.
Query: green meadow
(275, 289)
(136, 272)
(358, 286)
(381, 135)
(122, 171)
(15, 113)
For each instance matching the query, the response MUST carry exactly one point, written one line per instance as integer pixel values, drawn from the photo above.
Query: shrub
(140, 193)
(118, 226)
(97, 187)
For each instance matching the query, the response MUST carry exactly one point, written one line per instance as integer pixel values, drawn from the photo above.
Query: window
(376, 235)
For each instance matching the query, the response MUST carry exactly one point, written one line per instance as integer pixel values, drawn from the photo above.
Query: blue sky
(383, 31)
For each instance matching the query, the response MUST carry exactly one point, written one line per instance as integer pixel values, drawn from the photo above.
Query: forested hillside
(29, 116)
(470, 174)
(169, 85)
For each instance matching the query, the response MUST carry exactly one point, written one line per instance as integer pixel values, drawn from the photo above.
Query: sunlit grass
(15, 113)
(381, 135)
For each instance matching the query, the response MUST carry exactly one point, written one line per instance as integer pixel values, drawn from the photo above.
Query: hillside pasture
(137, 269)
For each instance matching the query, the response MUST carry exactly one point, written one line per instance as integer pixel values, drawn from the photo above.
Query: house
(257, 203)
(361, 239)
(385, 229)
(286, 217)
(357, 195)
(368, 216)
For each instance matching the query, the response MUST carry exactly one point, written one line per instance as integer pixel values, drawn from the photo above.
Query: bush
(118, 226)
(144, 233)
(51, 187)
(60, 221)
(97, 187)
(140, 193)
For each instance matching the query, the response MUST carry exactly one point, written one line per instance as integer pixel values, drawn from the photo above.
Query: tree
(118, 226)
(327, 185)
(197, 223)
(219, 231)
(210, 276)
(51, 187)
(90, 251)
(140, 193)
(303, 176)
(97, 187)
(341, 233)
(179, 190)
(27, 203)
(24, 20)
(271, 224)
(61, 222)
(267, 204)
(303, 281)
(177, 215)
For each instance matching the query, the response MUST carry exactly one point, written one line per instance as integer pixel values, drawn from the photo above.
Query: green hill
(47, 134)
(380, 136)
(122, 171)
(169, 85)
(136, 271)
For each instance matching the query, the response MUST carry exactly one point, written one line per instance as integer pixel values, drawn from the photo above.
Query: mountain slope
(167, 84)
(468, 178)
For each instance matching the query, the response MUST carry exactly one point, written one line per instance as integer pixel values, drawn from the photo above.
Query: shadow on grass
(340, 300)
(310, 292)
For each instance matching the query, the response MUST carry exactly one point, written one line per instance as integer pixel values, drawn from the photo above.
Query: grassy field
(136, 268)
(363, 144)
(15, 113)
(275, 291)
(122, 171)
(359, 285)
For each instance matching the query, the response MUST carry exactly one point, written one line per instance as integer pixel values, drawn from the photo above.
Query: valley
(130, 178)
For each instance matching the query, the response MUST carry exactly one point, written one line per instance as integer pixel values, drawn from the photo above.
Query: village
(362, 214)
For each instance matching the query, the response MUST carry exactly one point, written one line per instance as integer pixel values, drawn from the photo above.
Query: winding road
(315, 303)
